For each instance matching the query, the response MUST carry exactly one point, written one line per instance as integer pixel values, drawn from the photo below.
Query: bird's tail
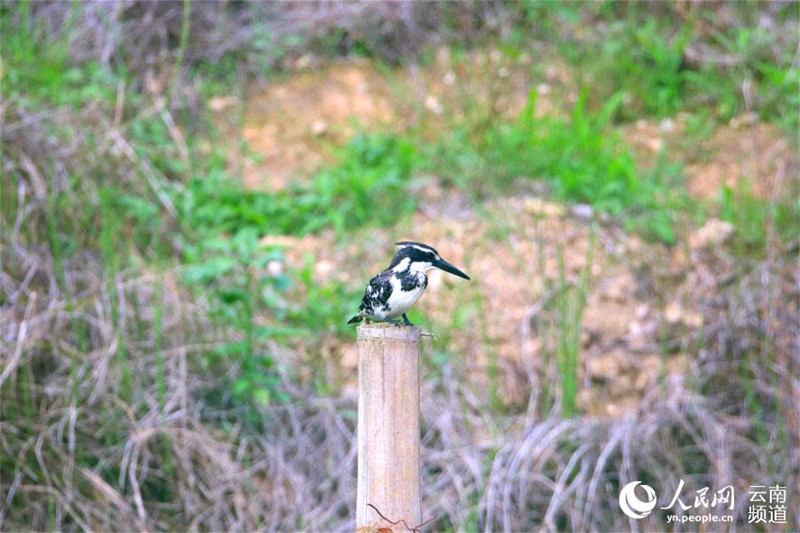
(355, 320)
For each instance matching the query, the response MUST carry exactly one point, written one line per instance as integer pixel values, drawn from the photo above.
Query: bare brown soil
(746, 151)
(294, 123)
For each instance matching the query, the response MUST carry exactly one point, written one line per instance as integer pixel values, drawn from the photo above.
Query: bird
(394, 291)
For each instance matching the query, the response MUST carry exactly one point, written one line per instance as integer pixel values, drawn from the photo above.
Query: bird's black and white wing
(379, 289)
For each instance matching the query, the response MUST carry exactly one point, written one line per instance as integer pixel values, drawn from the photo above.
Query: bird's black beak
(447, 267)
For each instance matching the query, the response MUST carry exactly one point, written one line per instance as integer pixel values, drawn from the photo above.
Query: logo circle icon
(631, 505)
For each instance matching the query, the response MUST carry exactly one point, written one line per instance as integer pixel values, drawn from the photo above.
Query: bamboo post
(388, 425)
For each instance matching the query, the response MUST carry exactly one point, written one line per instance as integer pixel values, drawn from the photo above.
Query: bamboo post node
(388, 425)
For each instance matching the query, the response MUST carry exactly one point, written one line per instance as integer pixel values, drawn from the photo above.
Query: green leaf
(261, 397)
(208, 271)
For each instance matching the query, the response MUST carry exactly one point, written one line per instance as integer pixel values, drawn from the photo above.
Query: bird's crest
(418, 245)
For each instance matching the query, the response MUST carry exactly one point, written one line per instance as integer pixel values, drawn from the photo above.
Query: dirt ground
(639, 294)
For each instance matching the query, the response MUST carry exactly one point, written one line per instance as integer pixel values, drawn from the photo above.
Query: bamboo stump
(388, 425)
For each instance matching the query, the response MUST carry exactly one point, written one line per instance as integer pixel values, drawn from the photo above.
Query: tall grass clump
(570, 302)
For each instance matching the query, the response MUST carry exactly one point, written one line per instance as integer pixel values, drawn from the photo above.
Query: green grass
(41, 72)
(560, 326)
(114, 259)
(184, 41)
(631, 48)
(757, 221)
(369, 186)
(582, 158)
(570, 302)
(651, 63)
(158, 340)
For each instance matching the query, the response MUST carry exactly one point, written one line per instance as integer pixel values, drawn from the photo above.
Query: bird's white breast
(401, 301)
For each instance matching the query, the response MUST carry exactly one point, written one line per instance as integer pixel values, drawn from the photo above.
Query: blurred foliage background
(194, 194)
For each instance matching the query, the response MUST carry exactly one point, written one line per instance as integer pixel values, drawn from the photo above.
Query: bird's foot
(406, 320)
(393, 322)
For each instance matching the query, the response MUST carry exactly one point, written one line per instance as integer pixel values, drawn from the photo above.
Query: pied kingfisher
(391, 293)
